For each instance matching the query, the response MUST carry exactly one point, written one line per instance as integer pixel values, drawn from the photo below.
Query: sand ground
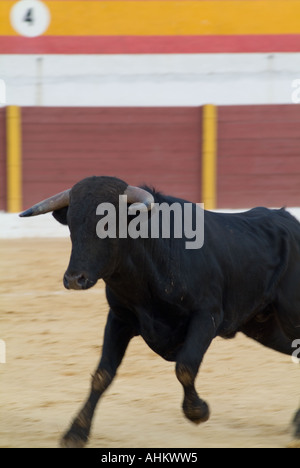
(53, 341)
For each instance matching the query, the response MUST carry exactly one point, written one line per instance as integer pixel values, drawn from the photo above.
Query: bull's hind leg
(116, 338)
(288, 303)
(266, 330)
(200, 334)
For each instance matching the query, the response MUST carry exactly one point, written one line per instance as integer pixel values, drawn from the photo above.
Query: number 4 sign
(30, 18)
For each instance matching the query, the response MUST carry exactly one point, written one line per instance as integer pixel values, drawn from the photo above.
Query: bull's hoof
(74, 438)
(197, 411)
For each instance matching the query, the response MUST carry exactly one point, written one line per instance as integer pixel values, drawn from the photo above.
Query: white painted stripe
(149, 80)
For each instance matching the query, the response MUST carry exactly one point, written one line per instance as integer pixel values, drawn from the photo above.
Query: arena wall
(257, 158)
(121, 88)
(149, 53)
(156, 146)
(145, 26)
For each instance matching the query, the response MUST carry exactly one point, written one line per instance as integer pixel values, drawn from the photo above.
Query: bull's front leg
(202, 331)
(116, 338)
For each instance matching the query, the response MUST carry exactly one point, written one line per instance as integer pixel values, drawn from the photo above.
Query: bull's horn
(60, 200)
(139, 197)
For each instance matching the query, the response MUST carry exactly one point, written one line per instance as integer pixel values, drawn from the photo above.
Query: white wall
(149, 80)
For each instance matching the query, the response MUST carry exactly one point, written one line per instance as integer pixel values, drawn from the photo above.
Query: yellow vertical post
(209, 157)
(14, 159)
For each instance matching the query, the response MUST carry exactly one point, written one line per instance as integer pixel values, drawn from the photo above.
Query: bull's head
(91, 257)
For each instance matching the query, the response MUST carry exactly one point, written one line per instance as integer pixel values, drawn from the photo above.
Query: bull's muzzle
(78, 282)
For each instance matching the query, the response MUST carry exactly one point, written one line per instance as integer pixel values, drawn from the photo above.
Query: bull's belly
(166, 351)
(165, 339)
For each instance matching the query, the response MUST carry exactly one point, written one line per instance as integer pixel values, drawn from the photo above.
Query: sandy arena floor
(53, 339)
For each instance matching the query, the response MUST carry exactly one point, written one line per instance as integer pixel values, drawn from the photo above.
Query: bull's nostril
(81, 281)
(75, 281)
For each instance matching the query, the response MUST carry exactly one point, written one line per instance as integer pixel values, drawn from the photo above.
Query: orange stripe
(160, 17)
(148, 44)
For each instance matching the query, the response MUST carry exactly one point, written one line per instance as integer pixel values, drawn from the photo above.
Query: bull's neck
(140, 261)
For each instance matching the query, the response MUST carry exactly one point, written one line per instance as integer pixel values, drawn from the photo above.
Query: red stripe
(148, 44)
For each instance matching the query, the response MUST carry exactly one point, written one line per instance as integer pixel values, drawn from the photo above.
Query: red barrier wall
(2, 160)
(258, 156)
(158, 146)
(258, 151)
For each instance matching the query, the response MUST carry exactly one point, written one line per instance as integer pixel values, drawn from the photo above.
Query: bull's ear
(61, 215)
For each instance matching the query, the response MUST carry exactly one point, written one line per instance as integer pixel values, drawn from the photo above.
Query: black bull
(245, 278)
